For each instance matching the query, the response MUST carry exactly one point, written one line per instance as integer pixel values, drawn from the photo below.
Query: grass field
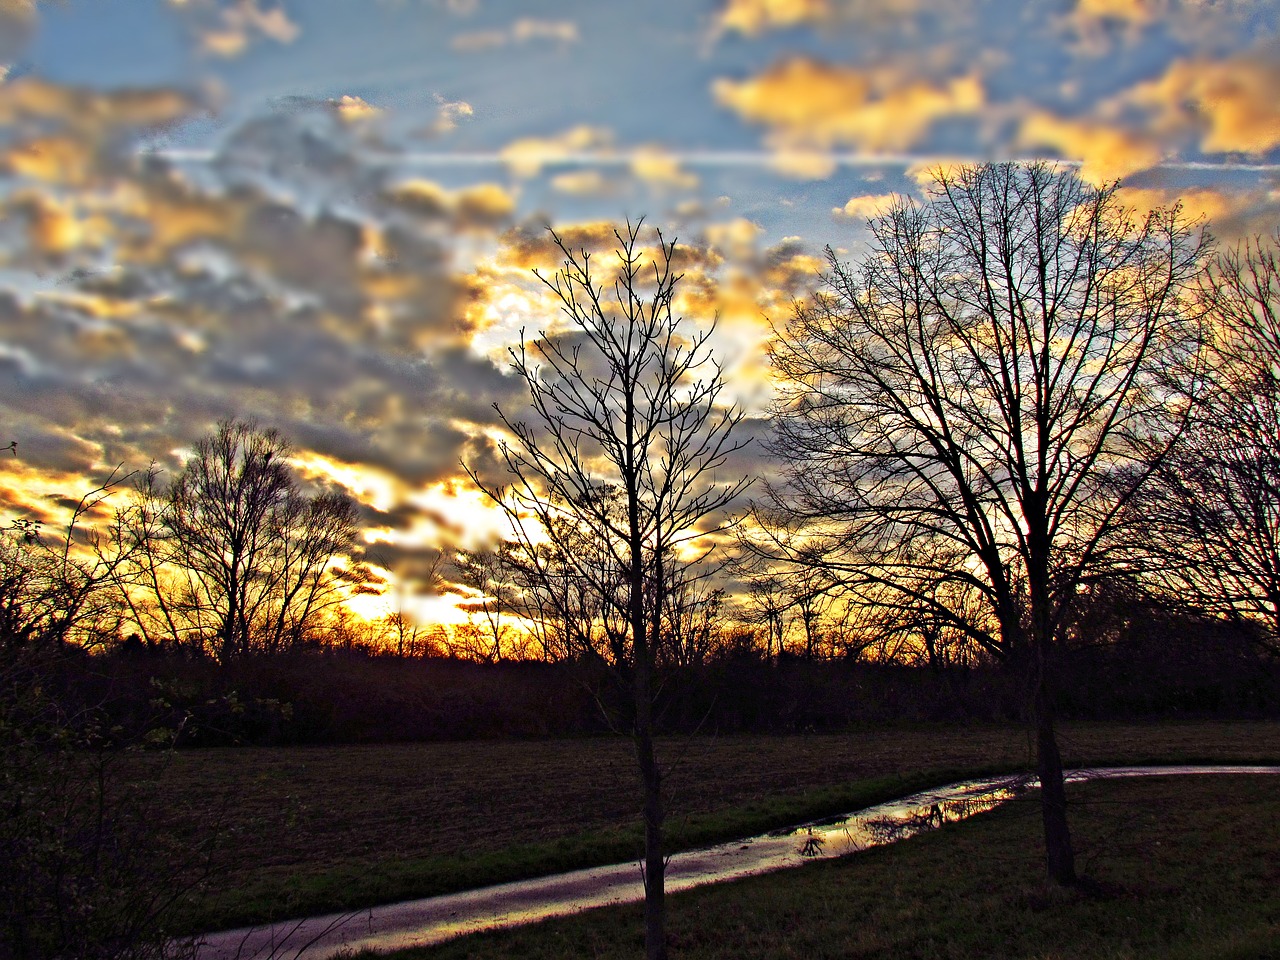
(1186, 868)
(306, 830)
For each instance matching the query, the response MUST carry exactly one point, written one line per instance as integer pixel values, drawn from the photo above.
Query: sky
(325, 214)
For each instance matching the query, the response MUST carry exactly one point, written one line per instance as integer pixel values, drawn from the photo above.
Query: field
(305, 830)
(1185, 868)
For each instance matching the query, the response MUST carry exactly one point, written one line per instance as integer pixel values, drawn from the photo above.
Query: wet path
(419, 922)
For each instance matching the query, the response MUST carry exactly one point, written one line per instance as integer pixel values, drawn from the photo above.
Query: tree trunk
(1059, 855)
(655, 934)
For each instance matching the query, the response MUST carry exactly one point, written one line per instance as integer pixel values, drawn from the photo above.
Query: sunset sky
(324, 213)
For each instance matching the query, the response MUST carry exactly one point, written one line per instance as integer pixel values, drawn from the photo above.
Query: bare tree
(232, 550)
(972, 407)
(1215, 512)
(616, 469)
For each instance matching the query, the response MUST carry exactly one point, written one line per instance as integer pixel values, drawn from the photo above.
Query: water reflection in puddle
(420, 922)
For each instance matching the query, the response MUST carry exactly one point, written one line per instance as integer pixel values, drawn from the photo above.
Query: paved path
(419, 922)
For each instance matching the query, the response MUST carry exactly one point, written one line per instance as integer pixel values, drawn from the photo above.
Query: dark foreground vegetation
(1183, 868)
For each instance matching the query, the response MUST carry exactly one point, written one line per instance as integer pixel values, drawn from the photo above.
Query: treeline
(1154, 662)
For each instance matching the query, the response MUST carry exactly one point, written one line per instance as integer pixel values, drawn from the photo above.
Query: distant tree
(1214, 514)
(232, 552)
(972, 407)
(491, 613)
(615, 470)
(56, 589)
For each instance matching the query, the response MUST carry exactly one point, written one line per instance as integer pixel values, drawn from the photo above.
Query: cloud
(654, 165)
(229, 30)
(1230, 104)
(449, 113)
(866, 206)
(1106, 149)
(524, 30)
(1231, 214)
(582, 183)
(527, 156)
(479, 206)
(531, 246)
(1213, 106)
(1097, 26)
(352, 109)
(289, 280)
(807, 103)
(753, 17)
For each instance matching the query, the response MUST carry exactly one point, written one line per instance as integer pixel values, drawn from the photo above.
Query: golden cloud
(55, 227)
(351, 109)
(561, 31)
(753, 17)
(484, 204)
(655, 165)
(1106, 151)
(32, 99)
(527, 156)
(809, 103)
(480, 205)
(1231, 214)
(531, 246)
(1232, 103)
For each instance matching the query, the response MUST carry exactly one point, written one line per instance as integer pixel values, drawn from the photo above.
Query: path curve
(414, 923)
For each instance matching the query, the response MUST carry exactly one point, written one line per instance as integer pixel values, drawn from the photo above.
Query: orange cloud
(1231, 214)
(1106, 151)
(753, 17)
(813, 104)
(1232, 103)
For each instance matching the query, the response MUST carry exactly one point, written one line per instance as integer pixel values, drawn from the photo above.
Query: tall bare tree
(616, 468)
(1215, 512)
(972, 406)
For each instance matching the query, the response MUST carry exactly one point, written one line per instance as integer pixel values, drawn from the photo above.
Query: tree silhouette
(972, 406)
(233, 552)
(1214, 515)
(615, 470)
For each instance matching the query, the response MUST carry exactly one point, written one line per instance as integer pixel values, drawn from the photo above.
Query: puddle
(420, 922)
